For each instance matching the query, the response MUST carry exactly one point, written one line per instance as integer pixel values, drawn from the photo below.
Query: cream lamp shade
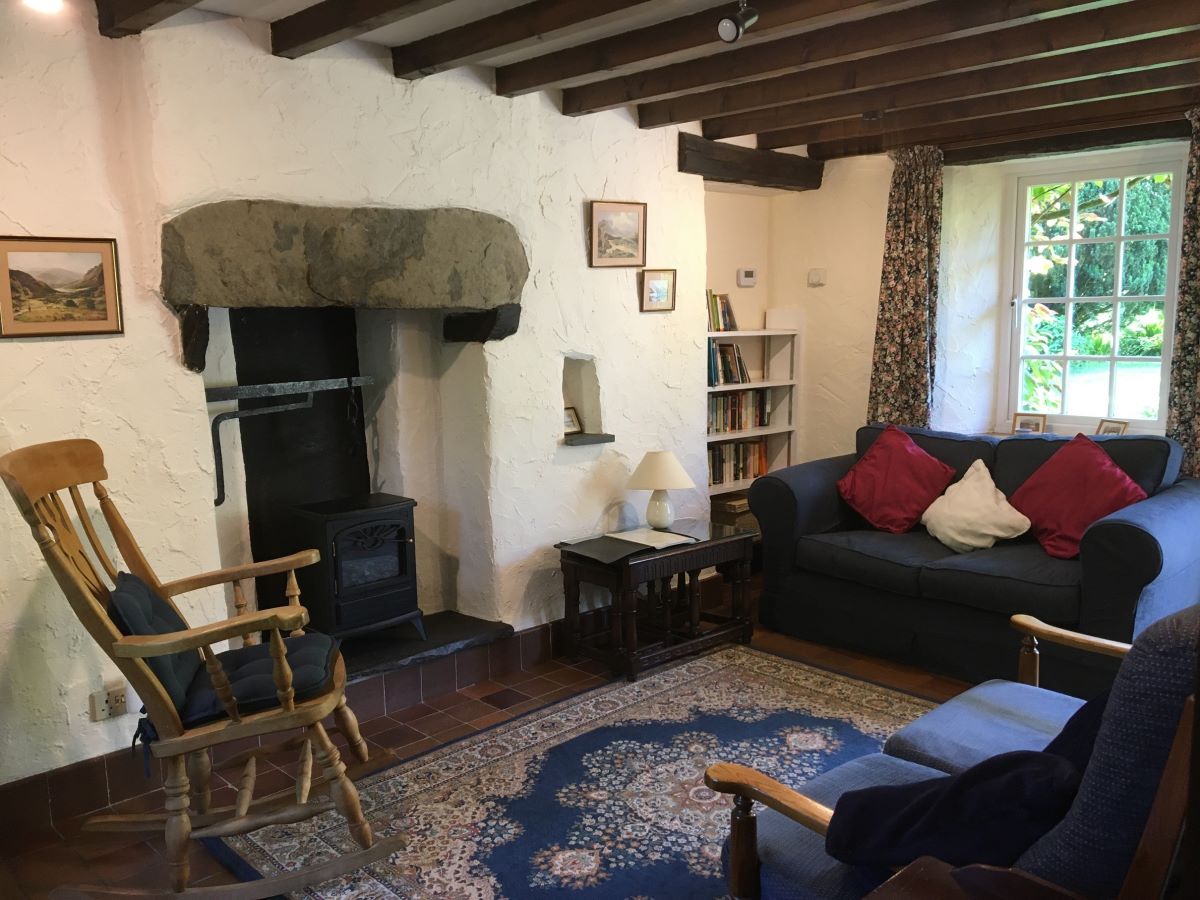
(659, 471)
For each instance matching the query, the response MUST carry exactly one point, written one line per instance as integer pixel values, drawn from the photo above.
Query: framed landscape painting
(658, 290)
(618, 234)
(58, 286)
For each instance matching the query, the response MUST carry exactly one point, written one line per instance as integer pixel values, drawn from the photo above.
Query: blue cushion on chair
(311, 658)
(1090, 850)
(991, 718)
(793, 861)
(136, 609)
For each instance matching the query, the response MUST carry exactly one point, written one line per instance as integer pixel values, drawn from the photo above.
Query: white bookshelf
(779, 345)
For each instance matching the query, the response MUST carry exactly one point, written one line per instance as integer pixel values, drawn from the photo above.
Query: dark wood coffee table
(667, 622)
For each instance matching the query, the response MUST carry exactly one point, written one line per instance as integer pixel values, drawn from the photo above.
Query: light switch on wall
(816, 278)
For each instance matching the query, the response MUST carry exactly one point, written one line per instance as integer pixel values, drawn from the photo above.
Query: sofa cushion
(956, 450)
(973, 514)
(889, 562)
(1150, 460)
(990, 718)
(894, 482)
(1008, 579)
(1078, 485)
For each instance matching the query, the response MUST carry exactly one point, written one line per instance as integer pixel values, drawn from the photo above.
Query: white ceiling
(460, 12)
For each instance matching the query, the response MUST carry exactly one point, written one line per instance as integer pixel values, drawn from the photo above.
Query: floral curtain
(904, 363)
(1183, 404)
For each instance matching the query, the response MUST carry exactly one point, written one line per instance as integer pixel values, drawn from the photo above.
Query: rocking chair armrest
(279, 618)
(236, 573)
(1036, 628)
(731, 778)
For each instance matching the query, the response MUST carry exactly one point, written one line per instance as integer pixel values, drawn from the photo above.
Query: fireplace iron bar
(258, 391)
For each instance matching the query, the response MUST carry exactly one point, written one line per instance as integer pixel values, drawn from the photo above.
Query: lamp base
(659, 512)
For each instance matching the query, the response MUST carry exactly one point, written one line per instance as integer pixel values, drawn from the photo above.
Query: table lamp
(659, 471)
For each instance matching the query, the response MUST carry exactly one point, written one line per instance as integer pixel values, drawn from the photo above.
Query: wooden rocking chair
(35, 476)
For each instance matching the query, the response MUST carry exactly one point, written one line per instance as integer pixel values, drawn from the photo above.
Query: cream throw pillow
(973, 514)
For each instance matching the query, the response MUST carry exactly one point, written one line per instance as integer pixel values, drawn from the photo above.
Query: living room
(386, 217)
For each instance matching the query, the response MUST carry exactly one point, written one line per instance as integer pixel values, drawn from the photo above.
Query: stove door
(371, 557)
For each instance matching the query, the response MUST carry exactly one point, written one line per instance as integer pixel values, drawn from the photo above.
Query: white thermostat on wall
(747, 277)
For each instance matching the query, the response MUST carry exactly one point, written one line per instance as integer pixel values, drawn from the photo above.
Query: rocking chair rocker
(35, 476)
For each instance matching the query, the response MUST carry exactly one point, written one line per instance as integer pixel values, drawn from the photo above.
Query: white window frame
(1076, 168)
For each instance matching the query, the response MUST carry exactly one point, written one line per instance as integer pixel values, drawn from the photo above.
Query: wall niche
(581, 390)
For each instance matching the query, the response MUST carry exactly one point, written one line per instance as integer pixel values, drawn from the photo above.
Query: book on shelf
(738, 410)
(734, 503)
(744, 521)
(736, 461)
(726, 365)
(720, 313)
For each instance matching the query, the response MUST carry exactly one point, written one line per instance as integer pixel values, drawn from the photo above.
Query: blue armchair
(780, 854)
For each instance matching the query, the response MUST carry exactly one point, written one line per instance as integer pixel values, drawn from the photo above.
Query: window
(1097, 257)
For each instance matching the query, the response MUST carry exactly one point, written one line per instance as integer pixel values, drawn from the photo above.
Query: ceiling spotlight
(732, 27)
(45, 6)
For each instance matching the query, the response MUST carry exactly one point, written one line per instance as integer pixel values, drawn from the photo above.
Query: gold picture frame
(1033, 423)
(57, 287)
(1112, 426)
(617, 234)
(571, 423)
(658, 290)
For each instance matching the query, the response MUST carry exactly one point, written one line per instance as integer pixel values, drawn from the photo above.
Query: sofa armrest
(1142, 563)
(795, 501)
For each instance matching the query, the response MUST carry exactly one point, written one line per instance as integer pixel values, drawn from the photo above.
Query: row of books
(725, 365)
(736, 461)
(738, 410)
(720, 313)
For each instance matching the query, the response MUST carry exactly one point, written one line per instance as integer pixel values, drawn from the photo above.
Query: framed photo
(658, 290)
(58, 286)
(1033, 423)
(1112, 426)
(571, 423)
(618, 234)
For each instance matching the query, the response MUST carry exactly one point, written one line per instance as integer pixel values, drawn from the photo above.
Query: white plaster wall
(73, 145)
(738, 230)
(838, 228)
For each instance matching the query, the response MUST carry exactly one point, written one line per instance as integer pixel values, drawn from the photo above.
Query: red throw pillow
(1075, 487)
(894, 482)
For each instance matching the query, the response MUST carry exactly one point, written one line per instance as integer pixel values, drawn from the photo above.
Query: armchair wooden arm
(287, 618)
(1033, 629)
(237, 573)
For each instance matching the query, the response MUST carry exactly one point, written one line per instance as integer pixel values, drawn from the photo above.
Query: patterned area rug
(602, 795)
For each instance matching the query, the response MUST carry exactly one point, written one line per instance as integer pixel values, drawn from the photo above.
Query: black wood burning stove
(367, 576)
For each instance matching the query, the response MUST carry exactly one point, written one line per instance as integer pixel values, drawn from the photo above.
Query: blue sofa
(831, 578)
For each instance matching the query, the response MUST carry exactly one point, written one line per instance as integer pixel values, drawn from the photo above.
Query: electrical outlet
(107, 703)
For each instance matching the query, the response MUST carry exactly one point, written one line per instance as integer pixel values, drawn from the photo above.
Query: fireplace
(367, 577)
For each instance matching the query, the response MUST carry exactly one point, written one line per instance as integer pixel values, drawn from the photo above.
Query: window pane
(1041, 386)
(1044, 327)
(1046, 271)
(1096, 215)
(1094, 268)
(1137, 387)
(1049, 211)
(1091, 329)
(1087, 388)
(1142, 324)
(1148, 204)
(1144, 269)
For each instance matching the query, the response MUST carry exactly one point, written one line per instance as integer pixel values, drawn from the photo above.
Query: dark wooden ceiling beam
(332, 21)
(1142, 109)
(121, 18)
(514, 29)
(844, 40)
(731, 164)
(693, 34)
(1055, 95)
(1065, 67)
(1129, 135)
(1077, 31)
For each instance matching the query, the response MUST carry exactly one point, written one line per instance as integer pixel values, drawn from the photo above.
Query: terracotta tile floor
(130, 860)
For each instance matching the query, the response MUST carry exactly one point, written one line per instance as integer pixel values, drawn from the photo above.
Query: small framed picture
(618, 234)
(571, 423)
(1112, 426)
(1029, 423)
(51, 287)
(658, 290)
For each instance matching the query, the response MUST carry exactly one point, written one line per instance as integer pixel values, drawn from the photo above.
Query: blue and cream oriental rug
(599, 796)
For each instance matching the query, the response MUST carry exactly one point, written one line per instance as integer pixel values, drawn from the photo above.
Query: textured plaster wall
(114, 137)
(74, 143)
(838, 228)
(738, 228)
